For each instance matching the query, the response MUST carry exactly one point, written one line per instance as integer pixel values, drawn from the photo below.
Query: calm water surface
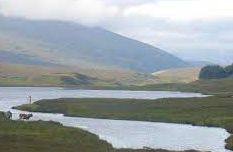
(120, 133)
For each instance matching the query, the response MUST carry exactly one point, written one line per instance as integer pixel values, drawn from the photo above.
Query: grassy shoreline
(215, 111)
(40, 136)
(211, 87)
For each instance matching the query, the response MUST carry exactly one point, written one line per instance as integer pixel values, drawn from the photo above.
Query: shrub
(229, 70)
(213, 72)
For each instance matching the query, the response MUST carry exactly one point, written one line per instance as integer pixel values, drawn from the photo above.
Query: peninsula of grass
(20, 136)
(209, 111)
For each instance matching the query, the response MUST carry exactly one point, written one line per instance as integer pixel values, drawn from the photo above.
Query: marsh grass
(208, 111)
(40, 136)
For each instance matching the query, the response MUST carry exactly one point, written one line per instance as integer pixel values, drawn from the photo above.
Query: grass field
(19, 136)
(36, 75)
(208, 111)
(179, 75)
(174, 79)
(215, 86)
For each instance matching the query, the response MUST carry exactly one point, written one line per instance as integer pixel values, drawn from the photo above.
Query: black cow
(23, 116)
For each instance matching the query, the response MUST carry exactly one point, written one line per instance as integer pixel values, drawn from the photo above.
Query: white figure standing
(30, 99)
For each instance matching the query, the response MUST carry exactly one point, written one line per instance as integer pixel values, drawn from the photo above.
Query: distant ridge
(200, 63)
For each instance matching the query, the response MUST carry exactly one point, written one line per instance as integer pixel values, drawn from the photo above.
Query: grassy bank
(215, 86)
(136, 82)
(19, 75)
(18, 136)
(209, 111)
(46, 136)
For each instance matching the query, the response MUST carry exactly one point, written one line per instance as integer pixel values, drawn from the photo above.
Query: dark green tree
(212, 72)
(229, 70)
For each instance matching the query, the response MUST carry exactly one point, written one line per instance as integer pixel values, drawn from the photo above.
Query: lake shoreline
(144, 149)
(228, 140)
(59, 131)
(164, 122)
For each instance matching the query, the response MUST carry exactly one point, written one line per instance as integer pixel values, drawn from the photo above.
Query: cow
(23, 116)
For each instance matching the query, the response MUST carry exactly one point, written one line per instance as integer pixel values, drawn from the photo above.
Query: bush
(229, 70)
(69, 80)
(213, 72)
(77, 79)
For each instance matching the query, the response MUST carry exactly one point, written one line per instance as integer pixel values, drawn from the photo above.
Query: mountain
(55, 42)
(199, 63)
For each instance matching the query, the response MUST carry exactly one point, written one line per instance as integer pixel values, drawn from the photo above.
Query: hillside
(179, 75)
(199, 63)
(66, 43)
(39, 75)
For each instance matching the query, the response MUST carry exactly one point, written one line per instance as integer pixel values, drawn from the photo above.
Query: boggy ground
(208, 111)
(19, 136)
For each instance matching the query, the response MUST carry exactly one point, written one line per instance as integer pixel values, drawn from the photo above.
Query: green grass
(44, 136)
(22, 75)
(50, 80)
(208, 111)
(44, 80)
(57, 80)
(215, 86)
(19, 136)
(36, 75)
(32, 75)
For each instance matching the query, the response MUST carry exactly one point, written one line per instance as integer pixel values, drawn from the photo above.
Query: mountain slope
(179, 75)
(41, 75)
(73, 44)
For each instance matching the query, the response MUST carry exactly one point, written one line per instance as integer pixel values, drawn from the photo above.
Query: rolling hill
(40, 75)
(179, 75)
(43, 42)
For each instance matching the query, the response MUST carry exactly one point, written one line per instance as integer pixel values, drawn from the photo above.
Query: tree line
(216, 72)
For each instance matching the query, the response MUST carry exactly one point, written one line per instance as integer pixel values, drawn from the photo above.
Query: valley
(96, 90)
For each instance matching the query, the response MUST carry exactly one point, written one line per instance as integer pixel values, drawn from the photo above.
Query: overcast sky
(191, 29)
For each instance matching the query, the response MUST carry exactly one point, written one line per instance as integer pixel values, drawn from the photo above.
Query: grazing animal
(8, 115)
(23, 116)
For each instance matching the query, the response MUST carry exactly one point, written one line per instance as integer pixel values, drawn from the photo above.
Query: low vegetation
(216, 72)
(178, 75)
(59, 76)
(213, 86)
(19, 136)
(35, 75)
(208, 111)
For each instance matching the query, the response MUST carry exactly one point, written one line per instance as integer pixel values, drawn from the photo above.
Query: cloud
(84, 11)
(184, 10)
(194, 40)
(96, 11)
